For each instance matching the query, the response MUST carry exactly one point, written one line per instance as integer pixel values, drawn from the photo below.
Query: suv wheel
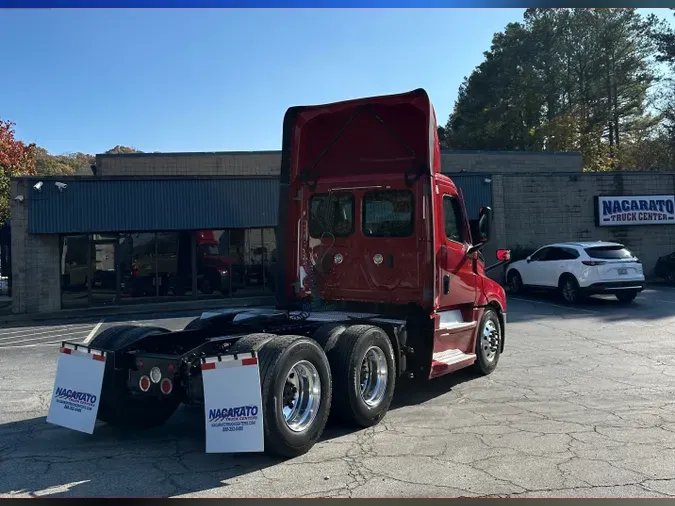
(569, 289)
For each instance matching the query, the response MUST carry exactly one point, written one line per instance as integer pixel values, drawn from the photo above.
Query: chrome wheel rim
(373, 376)
(490, 340)
(568, 291)
(515, 286)
(301, 396)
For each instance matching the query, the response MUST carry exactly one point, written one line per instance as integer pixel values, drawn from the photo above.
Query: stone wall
(496, 162)
(533, 210)
(253, 163)
(36, 273)
(266, 163)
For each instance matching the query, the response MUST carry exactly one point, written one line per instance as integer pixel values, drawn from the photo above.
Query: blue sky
(218, 80)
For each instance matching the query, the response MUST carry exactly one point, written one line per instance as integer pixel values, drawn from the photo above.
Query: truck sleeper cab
(378, 279)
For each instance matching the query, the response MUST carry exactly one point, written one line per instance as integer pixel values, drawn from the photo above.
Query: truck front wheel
(296, 388)
(363, 367)
(117, 407)
(488, 343)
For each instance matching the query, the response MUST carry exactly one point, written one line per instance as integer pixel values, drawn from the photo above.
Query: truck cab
(369, 222)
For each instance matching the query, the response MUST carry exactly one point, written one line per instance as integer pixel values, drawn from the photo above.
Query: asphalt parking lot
(582, 404)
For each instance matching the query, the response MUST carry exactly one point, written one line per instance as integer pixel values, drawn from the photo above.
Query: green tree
(562, 80)
(122, 149)
(16, 159)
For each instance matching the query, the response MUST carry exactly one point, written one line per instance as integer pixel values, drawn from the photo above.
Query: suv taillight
(592, 263)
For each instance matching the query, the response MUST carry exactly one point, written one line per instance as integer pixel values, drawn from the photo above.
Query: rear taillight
(593, 263)
(166, 385)
(144, 383)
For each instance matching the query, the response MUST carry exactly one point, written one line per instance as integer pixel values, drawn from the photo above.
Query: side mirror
(485, 224)
(484, 229)
(528, 259)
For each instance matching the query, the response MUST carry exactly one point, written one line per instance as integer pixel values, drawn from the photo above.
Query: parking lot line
(71, 335)
(30, 332)
(93, 332)
(554, 305)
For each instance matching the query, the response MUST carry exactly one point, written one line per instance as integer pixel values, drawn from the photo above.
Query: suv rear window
(388, 213)
(609, 252)
(332, 214)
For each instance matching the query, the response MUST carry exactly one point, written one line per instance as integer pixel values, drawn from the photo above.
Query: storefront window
(270, 244)
(138, 266)
(175, 248)
(75, 255)
(103, 269)
(214, 264)
(103, 273)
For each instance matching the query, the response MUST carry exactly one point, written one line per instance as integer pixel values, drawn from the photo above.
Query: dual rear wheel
(349, 373)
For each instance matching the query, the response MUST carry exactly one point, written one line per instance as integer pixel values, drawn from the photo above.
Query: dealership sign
(635, 210)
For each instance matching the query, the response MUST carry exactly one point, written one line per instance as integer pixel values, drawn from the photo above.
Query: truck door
(456, 284)
(457, 276)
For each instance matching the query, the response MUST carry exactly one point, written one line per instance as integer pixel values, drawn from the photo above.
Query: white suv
(578, 269)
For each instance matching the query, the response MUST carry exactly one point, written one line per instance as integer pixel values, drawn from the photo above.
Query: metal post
(262, 260)
(90, 247)
(229, 238)
(193, 262)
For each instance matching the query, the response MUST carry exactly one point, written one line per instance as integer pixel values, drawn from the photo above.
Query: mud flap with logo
(77, 388)
(233, 404)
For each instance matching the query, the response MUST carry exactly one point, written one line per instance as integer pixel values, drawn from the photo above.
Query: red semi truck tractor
(378, 280)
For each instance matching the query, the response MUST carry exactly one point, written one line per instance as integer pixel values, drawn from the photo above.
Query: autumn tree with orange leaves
(16, 159)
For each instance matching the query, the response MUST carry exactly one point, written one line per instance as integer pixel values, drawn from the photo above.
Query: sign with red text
(635, 210)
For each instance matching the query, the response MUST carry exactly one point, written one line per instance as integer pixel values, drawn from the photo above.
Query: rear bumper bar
(614, 286)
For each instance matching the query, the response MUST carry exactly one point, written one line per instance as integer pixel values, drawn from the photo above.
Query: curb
(160, 307)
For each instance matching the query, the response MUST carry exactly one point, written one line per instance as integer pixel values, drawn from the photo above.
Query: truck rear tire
(251, 342)
(293, 420)
(488, 343)
(364, 374)
(117, 407)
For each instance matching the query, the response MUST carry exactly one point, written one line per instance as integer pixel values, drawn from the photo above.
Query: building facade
(176, 226)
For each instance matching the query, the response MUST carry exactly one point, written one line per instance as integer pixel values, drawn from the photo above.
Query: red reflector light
(166, 386)
(591, 262)
(67, 351)
(144, 383)
(140, 363)
(503, 255)
(171, 367)
(249, 361)
(100, 358)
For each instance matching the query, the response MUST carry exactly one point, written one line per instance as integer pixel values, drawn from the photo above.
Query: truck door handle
(446, 284)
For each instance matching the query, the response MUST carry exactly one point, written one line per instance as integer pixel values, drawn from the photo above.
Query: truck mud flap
(233, 404)
(77, 388)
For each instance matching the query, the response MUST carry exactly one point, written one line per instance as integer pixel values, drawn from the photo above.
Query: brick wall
(540, 209)
(254, 163)
(492, 162)
(266, 163)
(36, 271)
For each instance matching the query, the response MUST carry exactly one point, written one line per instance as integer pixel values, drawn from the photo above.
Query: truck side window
(452, 215)
(388, 213)
(332, 214)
